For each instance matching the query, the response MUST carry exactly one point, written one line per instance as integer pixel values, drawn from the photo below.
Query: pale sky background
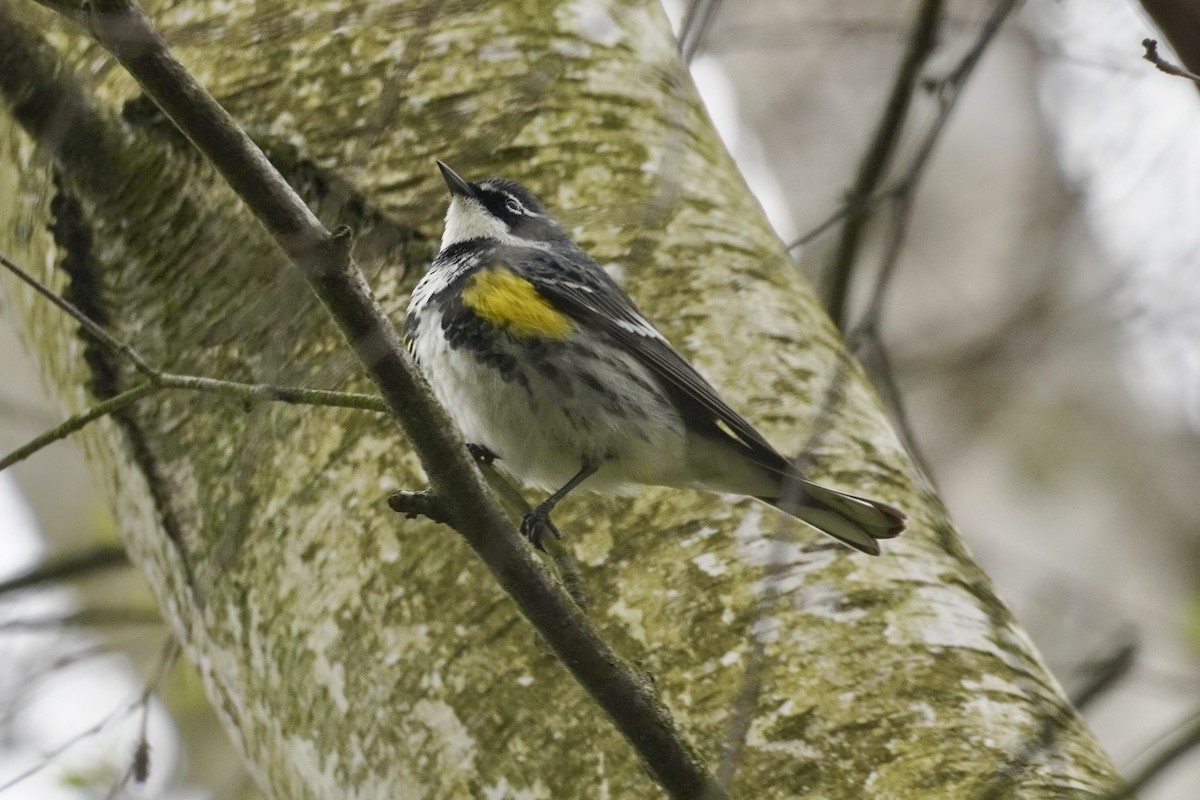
(1127, 139)
(71, 700)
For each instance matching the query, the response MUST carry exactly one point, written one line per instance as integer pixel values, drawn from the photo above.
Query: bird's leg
(536, 524)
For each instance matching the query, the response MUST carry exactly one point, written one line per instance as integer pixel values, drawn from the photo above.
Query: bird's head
(496, 209)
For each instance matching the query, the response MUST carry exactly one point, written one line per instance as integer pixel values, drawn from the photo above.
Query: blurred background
(1041, 324)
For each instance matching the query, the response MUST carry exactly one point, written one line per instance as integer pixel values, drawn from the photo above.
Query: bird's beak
(455, 183)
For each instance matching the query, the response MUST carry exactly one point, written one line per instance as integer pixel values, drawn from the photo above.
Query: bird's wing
(592, 298)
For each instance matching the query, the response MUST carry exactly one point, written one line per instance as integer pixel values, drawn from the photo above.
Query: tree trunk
(353, 653)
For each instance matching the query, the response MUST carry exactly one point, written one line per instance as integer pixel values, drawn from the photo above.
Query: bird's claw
(536, 526)
(481, 454)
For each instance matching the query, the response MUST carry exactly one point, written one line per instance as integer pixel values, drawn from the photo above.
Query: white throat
(468, 219)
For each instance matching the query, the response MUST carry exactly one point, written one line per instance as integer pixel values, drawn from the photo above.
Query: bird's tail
(856, 521)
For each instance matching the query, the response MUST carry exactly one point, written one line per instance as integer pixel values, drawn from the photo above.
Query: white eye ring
(512, 205)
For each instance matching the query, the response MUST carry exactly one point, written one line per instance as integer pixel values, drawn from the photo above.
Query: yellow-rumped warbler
(548, 368)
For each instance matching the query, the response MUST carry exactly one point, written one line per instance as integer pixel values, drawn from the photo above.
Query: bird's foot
(481, 454)
(536, 526)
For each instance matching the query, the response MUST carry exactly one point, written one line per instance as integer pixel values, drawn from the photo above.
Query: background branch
(878, 158)
(68, 567)
(1169, 749)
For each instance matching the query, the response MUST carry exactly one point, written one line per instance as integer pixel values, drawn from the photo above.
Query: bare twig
(866, 336)
(875, 163)
(67, 567)
(96, 617)
(562, 563)
(139, 765)
(79, 421)
(1105, 673)
(865, 197)
(170, 653)
(868, 345)
(1176, 743)
(157, 380)
(324, 259)
(696, 21)
(741, 714)
(248, 392)
(1163, 65)
(864, 205)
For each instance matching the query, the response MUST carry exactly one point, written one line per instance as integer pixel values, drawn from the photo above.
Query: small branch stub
(418, 504)
(1163, 65)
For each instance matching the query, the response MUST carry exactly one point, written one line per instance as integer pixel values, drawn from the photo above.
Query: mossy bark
(356, 654)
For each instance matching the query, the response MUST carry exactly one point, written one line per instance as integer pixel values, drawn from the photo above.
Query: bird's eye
(513, 206)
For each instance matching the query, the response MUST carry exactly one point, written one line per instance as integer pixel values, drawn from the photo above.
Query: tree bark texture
(353, 653)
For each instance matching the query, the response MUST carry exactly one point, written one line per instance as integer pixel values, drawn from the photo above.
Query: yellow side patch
(508, 301)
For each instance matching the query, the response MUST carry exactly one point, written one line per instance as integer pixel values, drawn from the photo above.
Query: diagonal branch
(324, 259)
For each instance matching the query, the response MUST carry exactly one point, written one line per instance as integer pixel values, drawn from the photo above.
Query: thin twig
(48, 757)
(745, 702)
(84, 618)
(1176, 743)
(139, 765)
(94, 329)
(122, 28)
(875, 163)
(741, 716)
(863, 205)
(868, 345)
(866, 336)
(425, 504)
(1179, 22)
(157, 380)
(1163, 65)
(170, 653)
(1105, 673)
(22, 692)
(79, 421)
(67, 567)
(693, 29)
(247, 392)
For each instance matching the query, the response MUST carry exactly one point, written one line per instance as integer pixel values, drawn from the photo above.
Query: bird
(551, 373)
